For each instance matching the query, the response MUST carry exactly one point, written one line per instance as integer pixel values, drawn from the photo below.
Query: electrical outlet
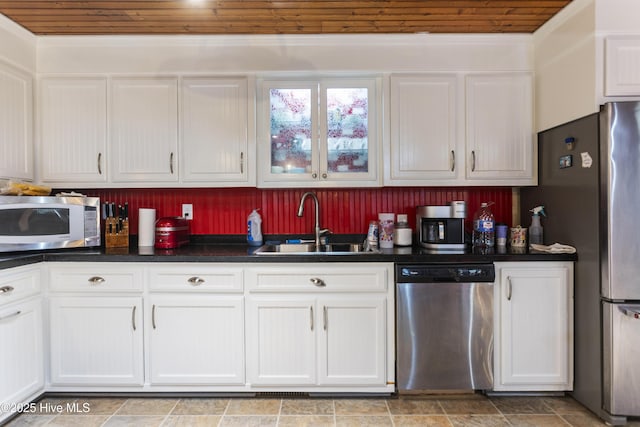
(187, 211)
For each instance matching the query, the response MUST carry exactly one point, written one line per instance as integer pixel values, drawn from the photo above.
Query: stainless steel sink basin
(310, 249)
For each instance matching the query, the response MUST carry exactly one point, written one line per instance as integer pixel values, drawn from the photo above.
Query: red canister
(172, 232)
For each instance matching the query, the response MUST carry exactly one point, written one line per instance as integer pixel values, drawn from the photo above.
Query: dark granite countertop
(234, 252)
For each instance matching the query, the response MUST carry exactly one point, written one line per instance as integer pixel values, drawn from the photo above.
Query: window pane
(290, 130)
(348, 129)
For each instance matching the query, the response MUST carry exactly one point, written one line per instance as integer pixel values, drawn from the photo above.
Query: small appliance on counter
(441, 228)
(172, 232)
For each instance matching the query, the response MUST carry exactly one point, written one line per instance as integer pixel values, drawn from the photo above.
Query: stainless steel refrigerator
(589, 183)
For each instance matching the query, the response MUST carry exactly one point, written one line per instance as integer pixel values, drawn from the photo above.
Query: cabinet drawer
(319, 277)
(95, 278)
(195, 278)
(18, 283)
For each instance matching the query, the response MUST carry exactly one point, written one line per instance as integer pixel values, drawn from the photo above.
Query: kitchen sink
(310, 249)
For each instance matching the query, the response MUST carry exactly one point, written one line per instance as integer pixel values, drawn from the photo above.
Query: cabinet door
(96, 341)
(73, 130)
(16, 123)
(281, 345)
(196, 339)
(500, 146)
(424, 140)
(535, 328)
(21, 352)
(352, 344)
(144, 130)
(214, 131)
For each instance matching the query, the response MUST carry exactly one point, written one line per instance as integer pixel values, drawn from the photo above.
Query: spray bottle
(535, 231)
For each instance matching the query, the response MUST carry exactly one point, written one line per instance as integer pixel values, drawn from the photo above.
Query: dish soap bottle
(535, 231)
(254, 228)
(484, 227)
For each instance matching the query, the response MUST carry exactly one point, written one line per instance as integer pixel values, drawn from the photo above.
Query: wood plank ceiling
(66, 17)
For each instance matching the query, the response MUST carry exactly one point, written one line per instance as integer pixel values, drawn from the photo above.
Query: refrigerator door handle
(629, 311)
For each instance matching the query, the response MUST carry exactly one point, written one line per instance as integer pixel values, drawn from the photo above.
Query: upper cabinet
(622, 65)
(16, 123)
(73, 130)
(474, 129)
(499, 129)
(318, 133)
(144, 129)
(214, 131)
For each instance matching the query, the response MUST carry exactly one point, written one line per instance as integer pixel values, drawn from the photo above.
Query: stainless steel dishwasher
(444, 326)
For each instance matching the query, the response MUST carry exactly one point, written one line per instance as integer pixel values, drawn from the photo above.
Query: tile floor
(447, 410)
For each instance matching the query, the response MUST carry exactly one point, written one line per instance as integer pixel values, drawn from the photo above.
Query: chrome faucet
(317, 229)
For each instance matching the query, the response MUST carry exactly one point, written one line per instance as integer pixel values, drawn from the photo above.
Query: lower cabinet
(96, 340)
(196, 339)
(534, 326)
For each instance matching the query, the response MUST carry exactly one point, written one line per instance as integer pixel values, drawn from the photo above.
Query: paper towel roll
(146, 227)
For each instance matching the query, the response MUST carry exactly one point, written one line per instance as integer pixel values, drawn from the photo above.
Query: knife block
(113, 238)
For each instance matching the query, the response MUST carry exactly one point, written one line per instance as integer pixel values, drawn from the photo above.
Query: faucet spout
(317, 217)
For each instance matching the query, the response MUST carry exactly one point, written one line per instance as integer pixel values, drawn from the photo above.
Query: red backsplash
(344, 211)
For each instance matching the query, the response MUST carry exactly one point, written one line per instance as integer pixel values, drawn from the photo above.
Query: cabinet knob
(324, 176)
(318, 282)
(314, 175)
(171, 163)
(100, 163)
(473, 161)
(195, 281)
(453, 160)
(96, 280)
(6, 289)
(509, 288)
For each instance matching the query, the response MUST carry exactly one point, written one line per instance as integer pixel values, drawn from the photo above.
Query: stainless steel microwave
(47, 222)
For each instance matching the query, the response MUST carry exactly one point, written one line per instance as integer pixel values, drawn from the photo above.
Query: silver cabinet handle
(6, 289)
(324, 316)
(133, 317)
(171, 162)
(100, 163)
(153, 316)
(8, 316)
(195, 281)
(96, 280)
(630, 311)
(473, 161)
(453, 160)
(318, 282)
(241, 162)
(509, 288)
(324, 175)
(314, 175)
(311, 317)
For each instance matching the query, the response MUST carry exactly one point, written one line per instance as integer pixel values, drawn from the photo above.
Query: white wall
(17, 45)
(290, 53)
(565, 65)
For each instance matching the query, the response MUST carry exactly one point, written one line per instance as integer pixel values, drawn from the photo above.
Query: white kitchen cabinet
(315, 326)
(73, 130)
(144, 130)
(319, 133)
(622, 65)
(425, 145)
(16, 123)
(21, 334)
(214, 132)
(534, 326)
(500, 147)
(96, 341)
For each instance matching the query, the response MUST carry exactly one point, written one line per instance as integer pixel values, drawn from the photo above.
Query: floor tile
(421, 420)
(54, 405)
(363, 420)
(411, 406)
(147, 406)
(101, 405)
(583, 420)
(361, 407)
(536, 421)
(78, 420)
(307, 407)
(468, 406)
(521, 405)
(249, 421)
(200, 406)
(191, 421)
(30, 420)
(253, 407)
(565, 405)
(135, 421)
(478, 421)
(306, 420)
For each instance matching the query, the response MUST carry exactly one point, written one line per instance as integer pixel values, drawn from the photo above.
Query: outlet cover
(187, 211)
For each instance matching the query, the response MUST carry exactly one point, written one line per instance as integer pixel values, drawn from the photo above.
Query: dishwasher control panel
(433, 273)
